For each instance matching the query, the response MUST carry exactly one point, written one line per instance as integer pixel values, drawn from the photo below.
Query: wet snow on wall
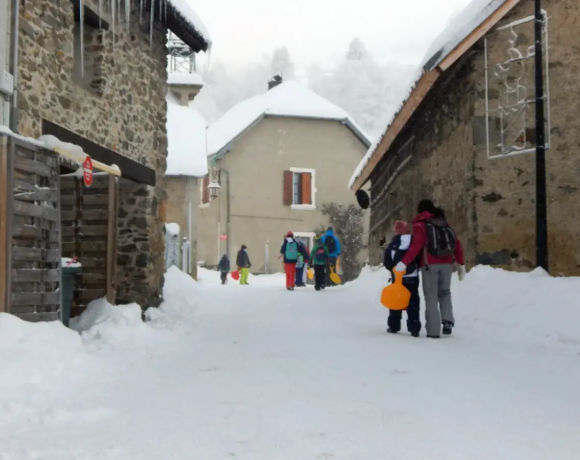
(289, 99)
(186, 137)
(459, 29)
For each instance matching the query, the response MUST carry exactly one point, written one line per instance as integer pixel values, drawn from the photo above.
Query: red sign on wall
(223, 237)
(88, 171)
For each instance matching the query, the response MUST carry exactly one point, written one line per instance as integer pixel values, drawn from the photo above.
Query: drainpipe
(14, 64)
(227, 210)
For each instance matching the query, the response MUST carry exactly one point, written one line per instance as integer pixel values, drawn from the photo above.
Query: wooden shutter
(205, 190)
(306, 188)
(288, 188)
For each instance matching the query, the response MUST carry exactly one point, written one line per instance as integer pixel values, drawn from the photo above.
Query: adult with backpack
(290, 250)
(332, 244)
(437, 246)
(319, 259)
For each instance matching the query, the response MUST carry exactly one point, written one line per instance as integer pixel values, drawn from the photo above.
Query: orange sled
(396, 296)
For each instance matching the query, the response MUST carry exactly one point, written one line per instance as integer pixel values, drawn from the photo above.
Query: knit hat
(290, 234)
(402, 228)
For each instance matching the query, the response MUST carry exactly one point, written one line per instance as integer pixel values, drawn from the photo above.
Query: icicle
(113, 12)
(160, 11)
(141, 13)
(82, 21)
(100, 14)
(128, 14)
(165, 8)
(152, 15)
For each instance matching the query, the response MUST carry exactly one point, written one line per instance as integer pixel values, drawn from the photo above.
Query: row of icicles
(115, 8)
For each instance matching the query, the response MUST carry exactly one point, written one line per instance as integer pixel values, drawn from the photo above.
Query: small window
(88, 49)
(298, 188)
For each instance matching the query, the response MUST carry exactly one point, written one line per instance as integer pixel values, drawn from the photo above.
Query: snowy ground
(259, 373)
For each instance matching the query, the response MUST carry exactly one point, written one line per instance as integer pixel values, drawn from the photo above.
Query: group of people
(432, 248)
(297, 258)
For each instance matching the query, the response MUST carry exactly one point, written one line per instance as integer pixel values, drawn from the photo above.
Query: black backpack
(441, 239)
(330, 243)
(390, 261)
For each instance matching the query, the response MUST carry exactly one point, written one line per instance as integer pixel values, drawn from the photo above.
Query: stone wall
(121, 106)
(4, 51)
(492, 203)
(181, 191)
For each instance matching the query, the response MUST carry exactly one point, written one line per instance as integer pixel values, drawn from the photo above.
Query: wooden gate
(89, 233)
(31, 271)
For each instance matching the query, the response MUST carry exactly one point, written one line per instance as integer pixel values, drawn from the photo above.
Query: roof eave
(184, 30)
(423, 88)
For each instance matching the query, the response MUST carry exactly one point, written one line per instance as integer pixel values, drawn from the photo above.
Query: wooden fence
(89, 223)
(30, 272)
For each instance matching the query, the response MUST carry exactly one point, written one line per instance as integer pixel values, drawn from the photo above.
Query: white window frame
(310, 235)
(305, 207)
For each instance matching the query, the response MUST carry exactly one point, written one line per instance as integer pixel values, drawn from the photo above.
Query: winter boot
(433, 337)
(415, 334)
(392, 331)
(447, 328)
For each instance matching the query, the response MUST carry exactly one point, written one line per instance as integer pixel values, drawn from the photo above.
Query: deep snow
(259, 373)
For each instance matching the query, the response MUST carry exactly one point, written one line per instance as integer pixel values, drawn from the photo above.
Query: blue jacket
(301, 250)
(330, 234)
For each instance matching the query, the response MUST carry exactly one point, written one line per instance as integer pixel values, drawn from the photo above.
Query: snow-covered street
(259, 373)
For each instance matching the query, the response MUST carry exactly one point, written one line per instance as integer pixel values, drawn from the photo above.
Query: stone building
(96, 77)
(437, 145)
(279, 157)
(5, 36)
(187, 170)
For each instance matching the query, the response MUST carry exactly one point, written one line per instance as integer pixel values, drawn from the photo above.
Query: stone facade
(492, 203)
(184, 195)
(118, 101)
(4, 54)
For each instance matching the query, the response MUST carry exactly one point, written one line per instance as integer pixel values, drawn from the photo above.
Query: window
(88, 49)
(205, 191)
(299, 190)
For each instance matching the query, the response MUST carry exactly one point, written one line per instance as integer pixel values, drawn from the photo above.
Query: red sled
(236, 275)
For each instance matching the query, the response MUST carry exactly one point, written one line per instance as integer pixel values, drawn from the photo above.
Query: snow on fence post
(185, 256)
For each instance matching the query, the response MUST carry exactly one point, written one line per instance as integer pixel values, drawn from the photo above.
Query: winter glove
(401, 267)
(461, 272)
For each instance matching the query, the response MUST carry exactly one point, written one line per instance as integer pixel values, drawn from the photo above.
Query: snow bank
(187, 12)
(178, 78)
(532, 309)
(172, 229)
(459, 28)
(186, 137)
(289, 99)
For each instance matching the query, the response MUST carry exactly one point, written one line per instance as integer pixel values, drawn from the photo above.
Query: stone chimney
(184, 86)
(274, 81)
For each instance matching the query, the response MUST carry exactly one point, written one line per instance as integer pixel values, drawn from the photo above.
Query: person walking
(224, 268)
(319, 259)
(437, 246)
(333, 248)
(301, 265)
(244, 264)
(394, 253)
(290, 250)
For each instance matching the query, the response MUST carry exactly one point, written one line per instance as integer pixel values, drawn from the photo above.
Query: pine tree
(282, 64)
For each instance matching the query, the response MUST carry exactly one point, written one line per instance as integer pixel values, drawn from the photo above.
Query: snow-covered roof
(186, 139)
(289, 99)
(185, 13)
(460, 28)
(179, 78)
(172, 229)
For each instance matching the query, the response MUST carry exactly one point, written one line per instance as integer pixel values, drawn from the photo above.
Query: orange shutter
(306, 188)
(288, 191)
(205, 190)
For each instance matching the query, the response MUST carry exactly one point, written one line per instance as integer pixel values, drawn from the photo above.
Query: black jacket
(243, 259)
(224, 265)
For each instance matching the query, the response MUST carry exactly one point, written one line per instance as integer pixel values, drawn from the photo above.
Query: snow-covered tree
(357, 50)
(282, 64)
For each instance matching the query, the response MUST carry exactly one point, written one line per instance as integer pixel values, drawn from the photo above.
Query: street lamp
(214, 189)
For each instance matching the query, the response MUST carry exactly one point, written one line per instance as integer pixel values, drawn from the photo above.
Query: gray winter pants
(437, 290)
